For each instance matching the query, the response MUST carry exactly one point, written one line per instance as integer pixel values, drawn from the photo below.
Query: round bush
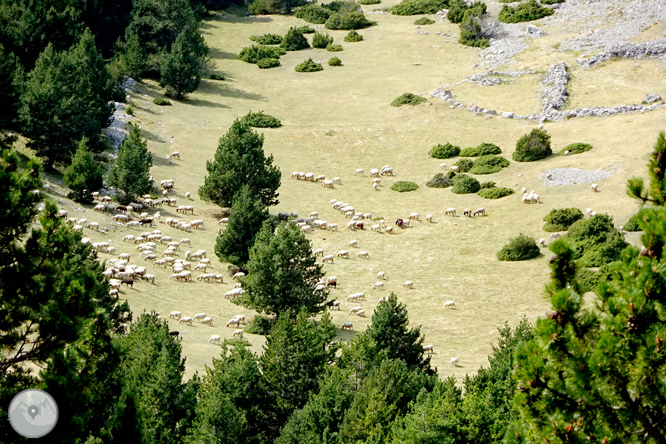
(267, 39)
(268, 63)
(369, 2)
(495, 192)
(334, 61)
(418, 7)
(305, 30)
(408, 99)
(439, 180)
(575, 148)
(308, 66)
(348, 20)
(314, 13)
(334, 48)
(561, 220)
(519, 248)
(161, 101)
(424, 21)
(464, 165)
(254, 53)
(524, 12)
(294, 40)
(489, 164)
(444, 151)
(261, 120)
(595, 241)
(320, 40)
(532, 146)
(353, 36)
(464, 184)
(482, 150)
(632, 224)
(402, 186)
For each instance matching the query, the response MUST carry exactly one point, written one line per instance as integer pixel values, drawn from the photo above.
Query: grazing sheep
(408, 284)
(554, 236)
(175, 314)
(454, 168)
(376, 181)
(320, 287)
(353, 243)
(377, 228)
(234, 322)
(327, 184)
(429, 218)
(355, 310)
(588, 211)
(375, 185)
(348, 326)
(358, 171)
(450, 211)
(186, 320)
(467, 212)
(480, 212)
(328, 258)
(335, 304)
(215, 338)
(320, 177)
(306, 229)
(238, 333)
(364, 254)
(319, 252)
(238, 275)
(343, 253)
(199, 316)
(414, 216)
(428, 349)
(332, 282)
(208, 321)
(381, 275)
(332, 227)
(594, 213)
(314, 214)
(449, 304)
(337, 180)
(128, 238)
(594, 187)
(542, 243)
(374, 172)
(454, 362)
(378, 285)
(389, 230)
(360, 313)
(442, 166)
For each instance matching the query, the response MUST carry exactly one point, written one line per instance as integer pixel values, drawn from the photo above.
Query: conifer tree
(84, 175)
(130, 172)
(182, 67)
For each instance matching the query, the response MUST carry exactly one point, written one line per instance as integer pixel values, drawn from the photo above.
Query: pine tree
(240, 160)
(9, 79)
(130, 172)
(84, 175)
(182, 67)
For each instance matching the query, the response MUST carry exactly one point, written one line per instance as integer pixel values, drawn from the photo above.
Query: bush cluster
(267, 39)
(334, 48)
(595, 241)
(402, 186)
(489, 164)
(532, 146)
(444, 151)
(424, 21)
(464, 184)
(254, 53)
(561, 220)
(294, 40)
(313, 13)
(632, 224)
(495, 192)
(320, 40)
(524, 12)
(458, 8)
(408, 99)
(308, 66)
(489, 184)
(369, 2)
(259, 325)
(575, 148)
(161, 101)
(418, 7)
(464, 165)
(439, 180)
(305, 30)
(334, 61)
(471, 33)
(348, 20)
(482, 150)
(551, 2)
(261, 120)
(353, 36)
(519, 248)
(268, 63)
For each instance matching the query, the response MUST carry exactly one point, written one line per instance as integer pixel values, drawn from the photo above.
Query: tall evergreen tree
(240, 160)
(9, 95)
(130, 172)
(84, 175)
(182, 67)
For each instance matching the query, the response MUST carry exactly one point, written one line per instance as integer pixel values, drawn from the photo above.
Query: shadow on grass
(218, 54)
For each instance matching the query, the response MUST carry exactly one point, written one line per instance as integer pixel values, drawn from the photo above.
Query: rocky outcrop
(626, 50)
(554, 97)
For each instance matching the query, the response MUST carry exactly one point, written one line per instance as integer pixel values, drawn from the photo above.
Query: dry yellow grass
(338, 120)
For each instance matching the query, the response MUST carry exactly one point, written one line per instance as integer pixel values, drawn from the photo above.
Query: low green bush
(471, 33)
(369, 2)
(267, 39)
(418, 7)
(161, 101)
(632, 224)
(587, 279)
(595, 241)
(458, 8)
(262, 7)
(489, 184)
(268, 63)
(408, 99)
(294, 40)
(129, 110)
(254, 53)
(561, 220)
(334, 61)
(519, 248)
(353, 36)
(575, 148)
(402, 186)
(259, 325)
(305, 30)
(314, 13)
(495, 192)
(464, 165)
(482, 150)
(424, 21)
(489, 164)
(450, 174)
(320, 40)
(348, 20)
(216, 77)
(444, 151)
(334, 48)
(551, 2)
(464, 184)
(644, 213)
(439, 180)
(524, 12)
(308, 66)
(533, 146)
(261, 120)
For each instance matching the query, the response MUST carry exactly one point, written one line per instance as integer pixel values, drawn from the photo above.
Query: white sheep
(389, 230)
(319, 252)
(554, 236)
(588, 211)
(428, 218)
(208, 321)
(306, 229)
(594, 187)
(378, 285)
(381, 275)
(355, 310)
(450, 211)
(348, 326)
(428, 349)
(408, 284)
(375, 186)
(358, 171)
(414, 216)
(454, 168)
(343, 253)
(175, 314)
(238, 333)
(360, 313)
(467, 212)
(442, 166)
(542, 243)
(328, 258)
(337, 180)
(238, 275)
(376, 181)
(364, 254)
(327, 184)
(480, 212)
(215, 338)
(149, 277)
(332, 227)
(449, 304)
(234, 322)
(454, 362)
(353, 243)
(335, 304)
(186, 320)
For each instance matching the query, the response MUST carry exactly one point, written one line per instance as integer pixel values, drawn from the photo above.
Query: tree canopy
(84, 175)
(130, 172)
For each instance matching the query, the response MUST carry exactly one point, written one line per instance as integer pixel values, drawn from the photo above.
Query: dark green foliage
(595, 241)
(524, 12)
(10, 78)
(130, 172)
(282, 273)
(632, 224)
(254, 53)
(314, 13)
(489, 184)
(495, 192)
(239, 160)
(519, 248)
(161, 101)
(551, 2)
(418, 7)
(334, 61)
(308, 66)
(353, 36)
(561, 220)
(305, 30)
(84, 175)
(320, 40)
(369, 2)
(246, 217)
(482, 150)
(444, 151)
(260, 120)
(489, 164)
(464, 184)
(268, 63)
(587, 279)
(424, 21)
(267, 39)
(348, 16)
(458, 8)
(294, 40)
(464, 165)
(261, 7)
(334, 48)
(575, 148)
(259, 325)
(532, 146)
(408, 99)
(656, 193)
(402, 186)
(470, 30)
(439, 180)
(182, 67)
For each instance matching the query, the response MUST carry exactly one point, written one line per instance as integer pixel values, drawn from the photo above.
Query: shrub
(632, 224)
(334, 48)
(489, 184)
(450, 174)
(551, 2)
(595, 241)
(254, 53)
(519, 248)
(424, 21)
(464, 184)
(268, 63)
(495, 192)
(320, 40)
(308, 66)
(457, 9)
(561, 220)
(418, 7)
(444, 151)
(334, 61)
(402, 186)
(408, 99)
(314, 13)
(161, 101)
(369, 2)
(294, 40)
(439, 180)
(261, 120)
(259, 325)
(482, 150)
(533, 146)
(524, 12)
(471, 33)
(489, 164)
(464, 165)
(129, 110)
(575, 148)
(587, 279)
(353, 36)
(348, 20)
(305, 30)
(216, 77)
(260, 7)
(267, 39)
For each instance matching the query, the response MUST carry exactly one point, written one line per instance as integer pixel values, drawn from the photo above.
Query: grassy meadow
(338, 120)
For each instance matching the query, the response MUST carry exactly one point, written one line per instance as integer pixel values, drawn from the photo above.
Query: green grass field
(338, 120)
